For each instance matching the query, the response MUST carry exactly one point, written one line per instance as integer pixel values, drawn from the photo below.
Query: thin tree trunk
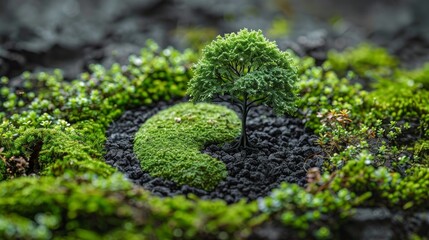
(244, 141)
(243, 138)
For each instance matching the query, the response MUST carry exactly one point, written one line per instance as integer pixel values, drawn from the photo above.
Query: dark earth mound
(285, 150)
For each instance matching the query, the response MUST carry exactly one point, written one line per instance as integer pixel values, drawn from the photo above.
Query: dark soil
(285, 149)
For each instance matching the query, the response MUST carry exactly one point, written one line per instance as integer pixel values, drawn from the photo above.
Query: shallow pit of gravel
(285, 149)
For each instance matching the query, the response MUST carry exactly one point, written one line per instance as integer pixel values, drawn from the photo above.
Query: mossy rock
(169, 144)
(52, 152)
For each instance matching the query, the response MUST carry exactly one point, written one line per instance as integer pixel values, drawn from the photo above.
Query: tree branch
(233, 100)
(234, 69)
(240, 68)
(230, 76)
(257, 100)
(224, 78)
(250, 107)
(220, 77)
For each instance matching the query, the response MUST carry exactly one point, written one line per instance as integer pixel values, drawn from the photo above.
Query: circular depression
(285, 150)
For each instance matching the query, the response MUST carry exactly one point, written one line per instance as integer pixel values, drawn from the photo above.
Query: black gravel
(285, 149)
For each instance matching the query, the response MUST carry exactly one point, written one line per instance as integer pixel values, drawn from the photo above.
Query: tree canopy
(245, 69)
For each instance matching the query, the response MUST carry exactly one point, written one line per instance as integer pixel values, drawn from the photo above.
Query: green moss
(2, 169)
(14, 226)
(51, 152)
(335, 196)
(83, 108)
(365, 60)
(401, 101)
(168, 144)
(306, 214)
(418, 77)
(385, 187)
(101, 94)
(351, 120)
(92, 135)
(88, 206)
(280, 27)
(323, 91)
(421, 151)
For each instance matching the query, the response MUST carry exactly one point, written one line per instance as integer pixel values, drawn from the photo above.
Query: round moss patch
(168, 144)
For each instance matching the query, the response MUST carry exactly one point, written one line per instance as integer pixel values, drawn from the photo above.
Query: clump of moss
(309, 213)
(84, 107)
(365, 60)
(322, 91)
(51, 152)
(168, 144)
(418, 77)
(89, 207)
(401, 98)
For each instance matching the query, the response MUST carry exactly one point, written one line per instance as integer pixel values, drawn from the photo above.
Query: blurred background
(39, 35)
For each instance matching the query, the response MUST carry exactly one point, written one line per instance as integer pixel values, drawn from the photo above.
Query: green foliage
(365, 60)
(169, 143)
(89, 206)
(416, 77)
(401, 99)
(83, 108)
(322, 92)
(101, 94)
(14, 226)
(280, 27)
(51, 152)
(309, 214)
(385, 187)
(69, 201)
(245, 69)
(246, 66)
(92, 136)
(359, 132)
(421, 151)
(351, 120)
(411, 191)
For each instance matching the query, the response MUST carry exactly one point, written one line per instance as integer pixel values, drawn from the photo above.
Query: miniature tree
(245, 69)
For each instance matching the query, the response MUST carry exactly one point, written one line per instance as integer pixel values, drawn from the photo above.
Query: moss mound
(90, 207)
(168, 144)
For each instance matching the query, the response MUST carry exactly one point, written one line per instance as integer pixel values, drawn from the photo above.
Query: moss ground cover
(57, 127)
(169, 143)
(90, 207)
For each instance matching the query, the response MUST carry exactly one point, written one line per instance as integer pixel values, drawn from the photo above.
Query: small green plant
(245, 69)
(168, 144)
